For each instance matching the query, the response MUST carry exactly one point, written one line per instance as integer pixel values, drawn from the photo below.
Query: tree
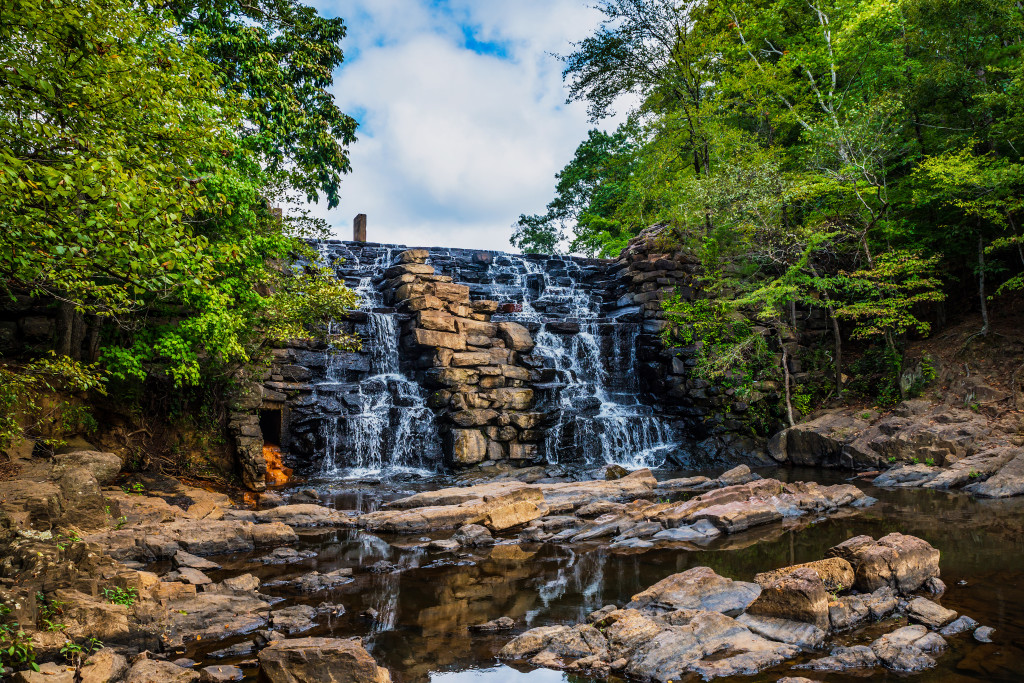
(129, 192)
(280, 57)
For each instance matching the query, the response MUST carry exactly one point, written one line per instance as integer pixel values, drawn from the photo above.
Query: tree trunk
(785, 375)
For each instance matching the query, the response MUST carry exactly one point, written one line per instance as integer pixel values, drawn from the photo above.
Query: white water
(623, 431)
(392, 431)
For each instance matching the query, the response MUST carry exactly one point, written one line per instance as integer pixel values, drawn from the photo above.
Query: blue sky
(463, 121)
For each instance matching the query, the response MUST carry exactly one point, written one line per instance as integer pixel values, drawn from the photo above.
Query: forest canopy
(862, 153)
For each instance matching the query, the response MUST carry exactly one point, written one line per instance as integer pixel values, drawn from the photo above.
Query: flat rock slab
(326, 660)
(931, 614)
(699, 588)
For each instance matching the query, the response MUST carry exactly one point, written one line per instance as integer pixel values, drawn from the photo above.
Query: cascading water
(599, 415)
(389, 428)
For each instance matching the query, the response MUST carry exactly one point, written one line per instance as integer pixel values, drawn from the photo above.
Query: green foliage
(29, 405)
(77, 653)
(143, 145)
(121, 596)
(16, 646)
(864, 157)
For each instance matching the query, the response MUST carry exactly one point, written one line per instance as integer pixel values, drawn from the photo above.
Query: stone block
(516, 336)
(425, 302)
(474, 417)
(469, 358)
(469, 326)
(514, 372)
(436, 338)
(413, 256)
(409, 269)
(469, 446)
(435, 320)
(450, 291)
(799, 595)
(522, 451)
(453, 377)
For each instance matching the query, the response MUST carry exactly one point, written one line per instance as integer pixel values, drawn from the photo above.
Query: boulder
(737, 475)
(439, 339)
(699, 588)
(819, 441)
(103, 466)
(835, 573)
(319, 660)
(897, 560)
(899, 650)
(800, 633)
(907, 475)
(958, 625)
(798, 595)
(469, 446)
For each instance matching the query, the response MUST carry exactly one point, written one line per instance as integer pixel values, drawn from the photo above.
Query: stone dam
(473, 356)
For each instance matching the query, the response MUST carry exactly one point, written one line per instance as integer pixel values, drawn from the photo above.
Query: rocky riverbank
(697, 622)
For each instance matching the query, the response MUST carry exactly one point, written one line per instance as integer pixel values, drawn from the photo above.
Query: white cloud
(455, 143)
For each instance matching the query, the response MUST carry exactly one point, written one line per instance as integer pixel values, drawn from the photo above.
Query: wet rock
(974, 469)
(208, 614)
(306, 496)
(293, 619)
(935, 586)
(843, 659)
(802, 634)
(738, 516)
(958, 625)
(323, 660)
(847, 612)
(155, 671)
(530, 642)
(1008, 481)
(193, 576)
(444, 545)
(898, 650)
(903, 562)
(795, 679)
(881, 603)
(907, 475)
(236, 650)
(513, 513)
(983, 634)
(184, 559)
(598, 508)
(924, 611)
(737, 475)
(684, 485)
(701, 530)
(286, 556)
(609, 472)
(699, 588)
(303, 514)
(835, 573)
(798, 595)
(516, 337)
(220, 673)
(473, 536)
(499, 624)
(315, 581)
(103, 466)
(691, 642)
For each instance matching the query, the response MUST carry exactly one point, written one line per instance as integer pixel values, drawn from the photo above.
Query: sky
(462, 115)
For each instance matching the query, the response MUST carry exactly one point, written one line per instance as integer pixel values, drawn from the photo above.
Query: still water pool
(422, 609)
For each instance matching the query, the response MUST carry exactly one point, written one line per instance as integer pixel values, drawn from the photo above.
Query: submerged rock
(933, 615)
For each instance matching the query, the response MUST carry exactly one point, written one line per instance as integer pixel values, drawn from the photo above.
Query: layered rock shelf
(619, 512)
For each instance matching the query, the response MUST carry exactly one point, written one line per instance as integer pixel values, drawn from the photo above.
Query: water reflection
(423, 609)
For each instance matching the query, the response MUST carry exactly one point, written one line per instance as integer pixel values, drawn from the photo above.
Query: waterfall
(600, 419)
(389, 427)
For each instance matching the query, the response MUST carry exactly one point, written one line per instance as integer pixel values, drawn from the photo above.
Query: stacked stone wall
(480, 387)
